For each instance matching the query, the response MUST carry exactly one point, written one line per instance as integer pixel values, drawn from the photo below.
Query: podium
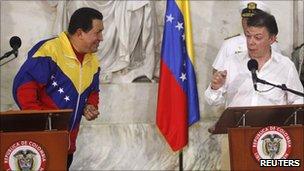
(243, 125)
(34, 140)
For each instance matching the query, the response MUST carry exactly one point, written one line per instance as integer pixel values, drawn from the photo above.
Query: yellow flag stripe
(184, 7)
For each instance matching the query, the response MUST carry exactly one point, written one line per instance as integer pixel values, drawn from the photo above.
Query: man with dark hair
(233, 86)
(232, 82)
(263, 19)
(63, 73)
(237, 44)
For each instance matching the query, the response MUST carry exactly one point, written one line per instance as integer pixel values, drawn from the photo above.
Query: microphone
(15, 43)
(253, 66)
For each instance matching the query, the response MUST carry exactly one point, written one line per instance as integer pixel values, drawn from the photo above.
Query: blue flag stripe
(174, 54)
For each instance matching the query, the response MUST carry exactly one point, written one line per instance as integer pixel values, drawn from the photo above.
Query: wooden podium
(243, 123)
(36, 139)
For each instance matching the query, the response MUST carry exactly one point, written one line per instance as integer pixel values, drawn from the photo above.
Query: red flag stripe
(171, 116)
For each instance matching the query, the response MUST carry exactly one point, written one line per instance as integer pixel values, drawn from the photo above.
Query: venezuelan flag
(178, 105)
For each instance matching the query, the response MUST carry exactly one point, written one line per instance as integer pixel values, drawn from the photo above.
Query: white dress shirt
(232, 46)
(238, 89)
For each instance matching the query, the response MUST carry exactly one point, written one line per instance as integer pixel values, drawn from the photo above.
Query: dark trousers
(69, 161)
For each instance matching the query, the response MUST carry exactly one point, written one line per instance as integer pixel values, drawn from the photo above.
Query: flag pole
(181, 160)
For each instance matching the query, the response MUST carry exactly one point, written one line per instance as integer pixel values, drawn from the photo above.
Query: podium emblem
(25, 156)
(271, 142)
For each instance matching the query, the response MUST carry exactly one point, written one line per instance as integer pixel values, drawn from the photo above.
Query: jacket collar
(68, 50)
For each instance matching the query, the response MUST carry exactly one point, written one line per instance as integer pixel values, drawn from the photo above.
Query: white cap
(259, 5)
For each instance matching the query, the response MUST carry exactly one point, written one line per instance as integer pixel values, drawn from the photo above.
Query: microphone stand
(283, 87)
(7, 54)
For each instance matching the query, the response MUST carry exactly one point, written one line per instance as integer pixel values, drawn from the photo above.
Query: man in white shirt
(237, 44)
(233, 85)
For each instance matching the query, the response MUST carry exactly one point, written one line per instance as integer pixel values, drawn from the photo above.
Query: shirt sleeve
(93, 99)
(215, 97)
(27, 96)
(29, 81)
(295, 84)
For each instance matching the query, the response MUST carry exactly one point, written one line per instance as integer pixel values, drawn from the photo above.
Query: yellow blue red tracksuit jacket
(53, 78)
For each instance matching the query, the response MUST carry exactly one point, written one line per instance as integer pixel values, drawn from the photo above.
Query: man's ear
(79, 32)
(272, 38)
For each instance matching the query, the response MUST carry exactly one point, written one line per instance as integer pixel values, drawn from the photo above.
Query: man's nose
(100, 37)
(251, 41)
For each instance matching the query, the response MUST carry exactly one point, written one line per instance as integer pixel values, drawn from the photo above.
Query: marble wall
(125, 136)
(139, 146)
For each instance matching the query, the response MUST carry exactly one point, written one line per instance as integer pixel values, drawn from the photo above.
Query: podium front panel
(240, 147)
(51, 145)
